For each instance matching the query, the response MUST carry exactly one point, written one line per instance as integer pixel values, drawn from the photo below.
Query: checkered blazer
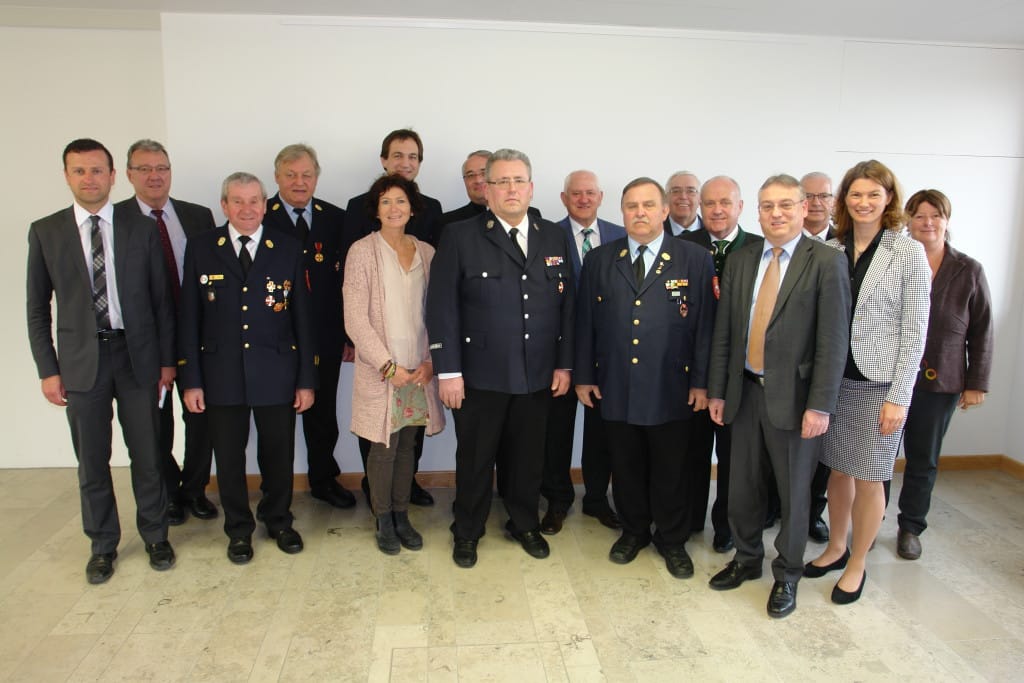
(890, 320)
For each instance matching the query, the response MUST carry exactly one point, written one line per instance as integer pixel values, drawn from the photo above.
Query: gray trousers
(390, 470)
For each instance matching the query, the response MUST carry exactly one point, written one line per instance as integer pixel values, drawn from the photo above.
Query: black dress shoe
(202, 508)
(175, 513)
(464, 552)
(677, 561)
(782, 600)
(333, 494)
(161, 555)
(841, 597)
(813, 571)
(288, 540)
(733, 576)
(240, 549)
(605, 516)
(533, 543)
(626, 548)
(100, 567)
(552, 522)
(818, 531)
(419, 495)
(722, 542)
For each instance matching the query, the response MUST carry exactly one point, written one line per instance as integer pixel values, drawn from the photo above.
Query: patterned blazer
(890, 320)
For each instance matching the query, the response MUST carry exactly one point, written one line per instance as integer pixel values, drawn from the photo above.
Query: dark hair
(637, 182)
(933, 197)
(400, 134)
(876, 171)
(385, 183)
(82, 145)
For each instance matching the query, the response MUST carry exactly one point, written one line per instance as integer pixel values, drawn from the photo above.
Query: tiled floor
(342, 611)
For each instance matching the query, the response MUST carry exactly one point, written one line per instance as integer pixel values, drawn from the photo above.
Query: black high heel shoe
(841, 597)
(813, 571)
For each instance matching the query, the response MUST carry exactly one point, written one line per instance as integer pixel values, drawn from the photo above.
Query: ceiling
(987, 22)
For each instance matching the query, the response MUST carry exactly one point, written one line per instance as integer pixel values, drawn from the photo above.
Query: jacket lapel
(662, 263)
(949, 268)
(797, 265)
(495, 232)
(878, 268)
(625, 266)
(226, 252)
(73, 238)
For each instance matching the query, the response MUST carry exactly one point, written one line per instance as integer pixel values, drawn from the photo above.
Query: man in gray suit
(777, 358)
(149, 172)
(115, 341)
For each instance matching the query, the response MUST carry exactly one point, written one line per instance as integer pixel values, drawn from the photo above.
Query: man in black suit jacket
(115, 340)
(401, 152)
(149, 172)
(499, 316)
(246, 348)
(780, 346)
(317, 225)
(722, 236)
(683, 190)
(643, 330)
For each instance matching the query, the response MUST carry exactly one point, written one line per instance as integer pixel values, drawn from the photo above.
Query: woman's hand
(423, 373)
(401, 377)
(891, 417)
(971, 397)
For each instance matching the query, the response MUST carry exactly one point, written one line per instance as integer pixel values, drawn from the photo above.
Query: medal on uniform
(222, 241)
(683, 309)
(561, 286)
(278, 307)
(203, 279)
(211, 294)
(319, 257)
(271, 286)
(269, 301)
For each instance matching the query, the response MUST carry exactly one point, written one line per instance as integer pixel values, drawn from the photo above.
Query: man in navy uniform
(149, 172)
(317, 225)
(499, 316)
(582, 197)
(643, 338)
(246, 347)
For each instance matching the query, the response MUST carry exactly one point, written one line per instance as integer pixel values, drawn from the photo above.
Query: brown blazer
(958, 350)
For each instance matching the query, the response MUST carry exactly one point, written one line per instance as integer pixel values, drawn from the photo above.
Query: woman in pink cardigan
(394, 392)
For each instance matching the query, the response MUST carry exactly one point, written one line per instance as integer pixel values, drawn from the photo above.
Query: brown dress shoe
(552, 522)
(908, 545)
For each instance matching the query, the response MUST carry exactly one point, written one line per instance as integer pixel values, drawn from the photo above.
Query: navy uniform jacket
(636, 345)
(466, 212)
(245, 342)
(321, 269)
(505, 324)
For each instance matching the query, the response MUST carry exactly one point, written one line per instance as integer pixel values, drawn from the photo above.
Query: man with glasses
(777, 358)
(683, 190)
(500, 317)
(721, 206)
(149, 172)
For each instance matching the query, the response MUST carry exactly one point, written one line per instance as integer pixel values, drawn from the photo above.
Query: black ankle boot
(409, 537)
(387, 539)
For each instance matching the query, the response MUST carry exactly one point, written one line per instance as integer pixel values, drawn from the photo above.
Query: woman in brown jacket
(394, 391)
(956, 364)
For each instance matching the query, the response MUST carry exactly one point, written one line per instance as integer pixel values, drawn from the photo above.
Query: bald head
(721, 206)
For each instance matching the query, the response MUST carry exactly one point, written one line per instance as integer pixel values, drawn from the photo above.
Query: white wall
(623, 102)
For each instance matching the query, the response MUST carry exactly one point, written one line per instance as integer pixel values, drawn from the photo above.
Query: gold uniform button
(246, 344)
(245, 326)
(244, 307)
(635, 342)
(636, 322)
(635, 361)
(245, 289)
(686, 368)
(637, 302)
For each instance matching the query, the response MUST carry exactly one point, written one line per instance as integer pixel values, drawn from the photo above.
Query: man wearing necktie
(245, 348)
(582, 197)
(683, 190)
(722, 205)
(317, 225)
(777, 358)
(645, 313)
(149, 172)
(115, 341)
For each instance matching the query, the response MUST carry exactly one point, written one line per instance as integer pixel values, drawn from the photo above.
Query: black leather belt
(753, 377)
(107, 335)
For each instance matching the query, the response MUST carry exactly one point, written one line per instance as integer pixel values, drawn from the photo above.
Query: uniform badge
(270, 245)
(318, 207)
(269, 301)
(216, 276)
(319, 258)
(561, 286)
(278, 307)
(553, 260)
(490, 224)
(715, 288)
(665, 256)
(623, 253)
(683, 309)
(222, 241)
(203, 279)
(676, 284)
(211, 294)
(271, 286)
(275, 207)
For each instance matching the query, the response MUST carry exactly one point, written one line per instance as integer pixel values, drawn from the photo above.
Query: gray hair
(679, 173)
(241, 178)
(816, 175)
(295, 152)
(479, 153)
(784, 180)
(581, 171)
(508, 155)
(146, 145)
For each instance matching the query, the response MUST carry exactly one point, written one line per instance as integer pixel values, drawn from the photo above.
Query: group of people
(802, 359)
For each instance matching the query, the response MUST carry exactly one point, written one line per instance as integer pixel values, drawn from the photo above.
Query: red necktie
(172, 263)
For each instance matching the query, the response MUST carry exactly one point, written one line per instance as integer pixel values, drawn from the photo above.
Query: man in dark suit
(817, 187)
(115, 340)
(721, 235)
(777, 359)
(317, 225)
(643, 330)
(401, 152)
(683, 190)
(582, 197)
(149, 172)
(246, 348)
(499, 316)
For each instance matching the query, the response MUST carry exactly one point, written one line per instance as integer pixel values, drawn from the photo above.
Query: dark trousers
(927, 421)
(389, 470)
(819, 489)
(705, 437)
(275, 454)
(90, 416)
(489, 421)
(320, 425)
(557, 486)
(364, 452)
(759, 449)
(649, 474)
(190, 480)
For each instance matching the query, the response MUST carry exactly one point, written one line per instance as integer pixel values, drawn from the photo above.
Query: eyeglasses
(146, 170)
(821, 196)
(473, 175)
(508, 183)
(688, 191)
(768, 207)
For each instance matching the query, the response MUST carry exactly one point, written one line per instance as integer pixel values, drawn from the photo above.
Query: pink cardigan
(366, 326)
